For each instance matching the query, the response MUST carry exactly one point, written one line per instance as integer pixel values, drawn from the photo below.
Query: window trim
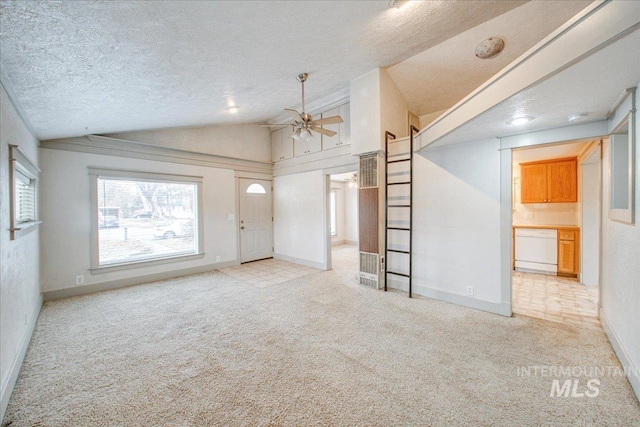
(621, 116)
(129, 175)
(21, 163)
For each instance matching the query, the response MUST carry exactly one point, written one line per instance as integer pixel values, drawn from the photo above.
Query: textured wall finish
(129, 65)
(19, 259)
(241, 141)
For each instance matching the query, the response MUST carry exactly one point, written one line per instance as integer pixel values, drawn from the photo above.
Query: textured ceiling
(591, 86)
(97, 66)
(439, 77)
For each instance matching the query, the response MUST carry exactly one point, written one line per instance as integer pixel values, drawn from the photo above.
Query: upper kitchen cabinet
(281, 144)
(329, 142)
(343, 129)
(549, 181)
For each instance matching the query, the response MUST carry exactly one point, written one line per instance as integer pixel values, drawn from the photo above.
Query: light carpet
(212, 350)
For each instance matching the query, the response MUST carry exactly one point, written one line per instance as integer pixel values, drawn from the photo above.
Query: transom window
(140, 217)
(256, 188)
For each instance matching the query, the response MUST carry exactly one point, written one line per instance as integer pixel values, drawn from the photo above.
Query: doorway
(556, 205)
(343, 220)
(256, 219)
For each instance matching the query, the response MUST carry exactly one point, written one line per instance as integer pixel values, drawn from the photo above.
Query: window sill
(144, 263)
(23, 229)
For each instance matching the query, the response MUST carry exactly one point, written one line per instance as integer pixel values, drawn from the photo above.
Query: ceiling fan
(303, 123)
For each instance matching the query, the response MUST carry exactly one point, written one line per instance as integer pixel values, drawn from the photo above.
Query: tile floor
(268, 272)
(555, 298)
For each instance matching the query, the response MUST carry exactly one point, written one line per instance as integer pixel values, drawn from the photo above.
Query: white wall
(300, 229)
(242, 141)
(20, 298)
(457, 224)
(377, 106)
(364, 95)
(394, 109)
(65, 207)
(347, 214)
(590, 230)
(351, 214)
(621, 274)
(338, 187)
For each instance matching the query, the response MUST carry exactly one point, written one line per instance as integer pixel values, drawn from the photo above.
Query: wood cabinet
(568, 252)
(549, 181)
(281, 145)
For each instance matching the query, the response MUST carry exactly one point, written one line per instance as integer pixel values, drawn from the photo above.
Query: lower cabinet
(568, 252)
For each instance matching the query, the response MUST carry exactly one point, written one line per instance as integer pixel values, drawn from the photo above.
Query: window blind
(25, 198)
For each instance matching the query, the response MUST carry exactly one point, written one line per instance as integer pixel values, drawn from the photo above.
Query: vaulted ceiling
(79, 67)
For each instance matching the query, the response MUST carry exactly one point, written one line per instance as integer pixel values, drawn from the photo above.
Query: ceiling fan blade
(323, 131)
(328, 121)
(296, 116)
(277, 124)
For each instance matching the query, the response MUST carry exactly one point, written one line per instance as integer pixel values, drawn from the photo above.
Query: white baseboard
(306, 262)
(16, 363)
(503, 308)
(138, 280)
(623, 355)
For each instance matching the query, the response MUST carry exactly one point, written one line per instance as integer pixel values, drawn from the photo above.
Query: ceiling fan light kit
(303, 123)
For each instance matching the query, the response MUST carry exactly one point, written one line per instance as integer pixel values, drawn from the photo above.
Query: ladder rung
(398, 183)
(398, 161)
(398, 274)
(399, 206)
(397, 251)
(398, 228)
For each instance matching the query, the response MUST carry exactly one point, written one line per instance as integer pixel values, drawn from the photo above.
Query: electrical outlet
(469, 290)
(218, 258)
(528, 215)
(80, 280)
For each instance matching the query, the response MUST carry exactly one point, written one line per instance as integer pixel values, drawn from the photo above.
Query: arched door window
(256, 189)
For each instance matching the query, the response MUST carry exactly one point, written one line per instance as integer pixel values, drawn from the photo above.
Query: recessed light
(232, 109)
(575, 117)
(520, 120)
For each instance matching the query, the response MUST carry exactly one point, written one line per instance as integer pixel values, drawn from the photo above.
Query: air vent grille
(369, 269)
(368, 175)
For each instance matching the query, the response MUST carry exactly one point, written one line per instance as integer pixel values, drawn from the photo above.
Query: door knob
(242, 228)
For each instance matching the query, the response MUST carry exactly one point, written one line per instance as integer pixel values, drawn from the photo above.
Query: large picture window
(141, 217)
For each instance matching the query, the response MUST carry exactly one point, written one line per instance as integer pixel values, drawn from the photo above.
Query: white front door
(256, 219)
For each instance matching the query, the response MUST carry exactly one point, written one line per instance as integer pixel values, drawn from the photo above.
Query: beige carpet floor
(212, 350)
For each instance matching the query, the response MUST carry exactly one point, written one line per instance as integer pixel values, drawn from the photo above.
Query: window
(334, 214)
(256, 189)
(24, 185)
(141, 218)
(621, 156)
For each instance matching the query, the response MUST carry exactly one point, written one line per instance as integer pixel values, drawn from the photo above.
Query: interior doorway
(256, 219)
(556, 205)
(343, 220)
